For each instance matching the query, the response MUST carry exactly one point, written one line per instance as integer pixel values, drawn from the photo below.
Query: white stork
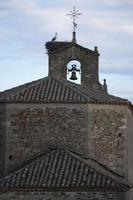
(54, 38)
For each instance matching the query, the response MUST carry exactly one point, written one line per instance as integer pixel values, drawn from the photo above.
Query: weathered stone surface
(32, 129)
(59, 59)
(96, 131)
(62, 196)
(103, 132)
(108, 129)
(2, 137)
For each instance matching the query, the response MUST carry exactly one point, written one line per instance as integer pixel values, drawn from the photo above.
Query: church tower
(61, 53)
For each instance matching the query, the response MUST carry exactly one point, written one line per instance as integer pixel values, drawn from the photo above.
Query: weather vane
(74, 15)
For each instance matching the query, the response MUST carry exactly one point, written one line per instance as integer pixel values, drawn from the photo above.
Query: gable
(51, 90)
(62, 169)
(47, 90)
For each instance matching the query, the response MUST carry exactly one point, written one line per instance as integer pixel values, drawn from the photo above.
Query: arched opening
(74, 71)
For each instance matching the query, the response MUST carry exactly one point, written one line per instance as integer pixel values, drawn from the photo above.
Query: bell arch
(74, 71)
(65, 52)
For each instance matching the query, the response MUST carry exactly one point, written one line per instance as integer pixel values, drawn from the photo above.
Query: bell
(73, 76)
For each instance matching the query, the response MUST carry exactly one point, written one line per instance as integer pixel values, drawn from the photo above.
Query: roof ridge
(102, 92)
(61, 168)
(68, 84)
(13, 94)
(81, 91)
(16, 88)
(90, 163)
(106, 168)
(57, 91)
(103, 169)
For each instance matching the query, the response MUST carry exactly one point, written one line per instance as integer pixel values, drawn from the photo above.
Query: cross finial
(74, 15)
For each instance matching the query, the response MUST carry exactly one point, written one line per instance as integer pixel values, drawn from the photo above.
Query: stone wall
(103, 132)
(2, 137)
(108, 136)
(34, 128)
(89, 65)
(63, 196)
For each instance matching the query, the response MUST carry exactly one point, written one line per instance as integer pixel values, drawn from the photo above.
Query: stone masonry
(32, 129)
(62, 196)
(2, 136)
(99, 128)
(99, 132)
(108, 129)
(89, 60)
(108, 136)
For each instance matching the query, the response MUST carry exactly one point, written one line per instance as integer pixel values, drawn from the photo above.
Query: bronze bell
(73, 70)
(73, 75)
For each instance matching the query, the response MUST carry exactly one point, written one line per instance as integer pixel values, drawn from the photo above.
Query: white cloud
(118, 66)
(44, 16)
(119, 85)
(128, 28)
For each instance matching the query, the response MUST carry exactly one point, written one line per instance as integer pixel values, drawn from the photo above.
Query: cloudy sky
(26, 25)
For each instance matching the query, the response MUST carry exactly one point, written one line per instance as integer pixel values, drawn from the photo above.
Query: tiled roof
(61, 169)
(44, 90)
(50, 90)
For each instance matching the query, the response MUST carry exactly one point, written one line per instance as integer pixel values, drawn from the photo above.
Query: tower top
(74, 15)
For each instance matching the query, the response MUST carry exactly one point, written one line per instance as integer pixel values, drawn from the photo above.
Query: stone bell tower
(61, 53)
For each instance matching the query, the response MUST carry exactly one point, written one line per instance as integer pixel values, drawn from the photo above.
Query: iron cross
(74, 15)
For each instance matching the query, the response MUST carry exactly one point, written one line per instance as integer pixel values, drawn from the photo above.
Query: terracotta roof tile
(50, 90)
(62, 169)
